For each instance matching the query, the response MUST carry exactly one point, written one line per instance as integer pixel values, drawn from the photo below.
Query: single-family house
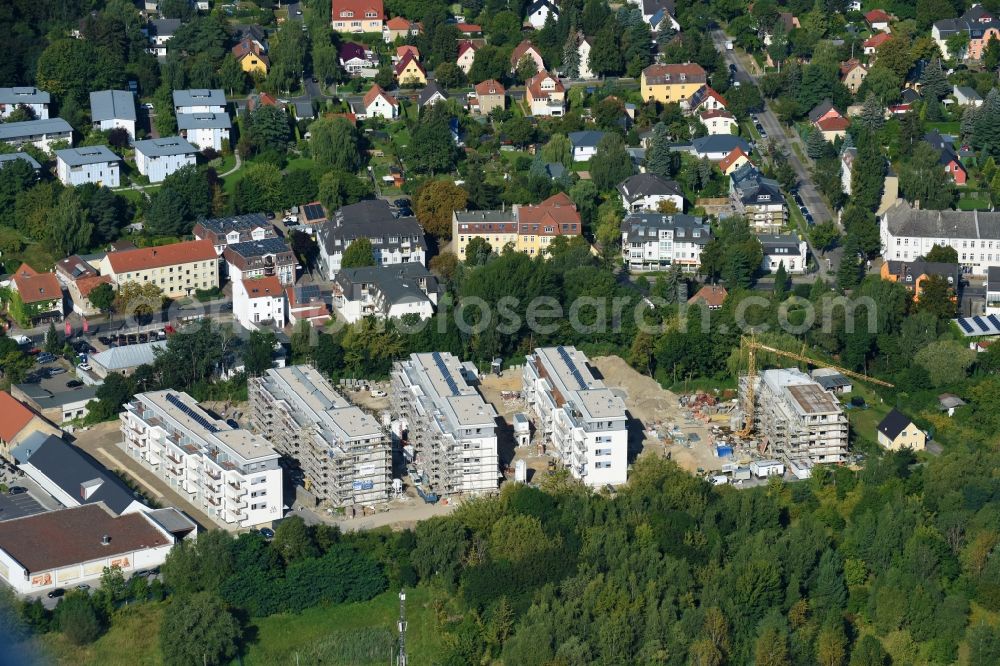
(646, 191)
(34, 100)
(526, 50)
(871, 45)
(377, 103)
(733, 161)
(113, 109)
(584, 45)
(672, 82)
(585, 144)
(967, 96)
(539, 11)
(466, 55)
(88, 164)
(786, 249)
(878, 20)
(252, 57)
(545, 94)
(404, 49)
(399, 28)
(828, 120)
(897, 431)
(357, 16)
(716, 147)
(409, 72)
(357, 59)
(431, 95)
(158, 158)
(852, 74)
(948, 158)
(490, 95)
(719, 122)
(79, 278)
(704, 98)
(160, 32)
(35, 296)
(711, 296)
(659, 15)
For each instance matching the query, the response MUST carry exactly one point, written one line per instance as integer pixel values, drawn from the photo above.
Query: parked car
(83, 587)
(149, 106)
(809, 219)
(74, 383)
(16, 490)
(401, 203)
(267, 532)
(378, 393)
(84, 366)
(56, 593)
(60, 370)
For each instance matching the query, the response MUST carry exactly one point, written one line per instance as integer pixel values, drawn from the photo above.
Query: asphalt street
(776, 134)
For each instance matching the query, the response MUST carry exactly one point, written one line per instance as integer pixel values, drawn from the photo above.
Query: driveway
(776, 133)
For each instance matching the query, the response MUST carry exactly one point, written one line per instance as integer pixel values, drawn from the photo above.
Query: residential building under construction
(795, 417)
(344, 454)
(452, 430)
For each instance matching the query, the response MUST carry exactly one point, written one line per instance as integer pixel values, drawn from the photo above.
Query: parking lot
(19, 506)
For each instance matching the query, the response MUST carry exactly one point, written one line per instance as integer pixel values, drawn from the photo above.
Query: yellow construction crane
(750, 345)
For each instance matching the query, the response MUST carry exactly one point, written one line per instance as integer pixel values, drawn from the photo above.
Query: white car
(378, 393)
(83, 366)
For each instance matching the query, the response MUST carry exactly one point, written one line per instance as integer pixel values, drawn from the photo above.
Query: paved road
(776, 134)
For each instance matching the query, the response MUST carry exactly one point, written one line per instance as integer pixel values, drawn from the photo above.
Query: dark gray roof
(6, 158)
(833, 381)
(112, 105)
(720, 143)
(173, 521)
(223, 225)
(259, 248)
(968, 93)
(429, 91)
(914, 269)
(585, 138)
(752, 188)
(33, 128)
(372, 219)
(645, 227)
(647, 185)
(773, 242)
(164, 27)
(199, 97)
(903, 220)
(46, 399)
(894, 423)
(819, 110)
(993, 278)
(87, 155)
(170, 145)
(23, 95)
(555, 170)
(398, 283)
(203, 120)
(70, 468)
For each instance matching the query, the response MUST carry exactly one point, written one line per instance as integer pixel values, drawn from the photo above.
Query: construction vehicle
(750, 345)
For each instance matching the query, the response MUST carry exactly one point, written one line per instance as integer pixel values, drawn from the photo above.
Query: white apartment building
(908, 233)
(259, 300)
(452, 430)
(785, 249)
(39, 133)
(654, 241)
(343, 452)
(205, 129)
(385, 292)
(35, 100)
(199, 100)
(88, 164)
(158, 158)
(230, 474)
(113, 109)
(582, 418)
(796, 418)
(394, 240)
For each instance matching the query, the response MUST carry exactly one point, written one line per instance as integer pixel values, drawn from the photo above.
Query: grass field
(134, 637)
(970, 203)
(944, 128)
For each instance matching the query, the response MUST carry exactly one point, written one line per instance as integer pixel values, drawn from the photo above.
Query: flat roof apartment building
(453, 431)
(583, 418)
(230, 474)
(343, 452)
(796, 418)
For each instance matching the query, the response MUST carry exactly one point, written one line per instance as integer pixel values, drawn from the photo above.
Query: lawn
(281, 636)
(970, 203)
(132, 641)
(300, 164)
(944, 128)
(865, 421)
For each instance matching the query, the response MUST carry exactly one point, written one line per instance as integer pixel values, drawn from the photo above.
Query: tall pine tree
(987, 125)
(933, 82)
(571, 55)
(660, 160)
(872, 115)
(868, 175)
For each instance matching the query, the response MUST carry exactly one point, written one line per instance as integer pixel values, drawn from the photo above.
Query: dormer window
(347, 14)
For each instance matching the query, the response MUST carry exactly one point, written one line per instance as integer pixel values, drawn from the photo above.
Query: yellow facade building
(527, 229)
(672, 83)
(251, 57)
(177, 269)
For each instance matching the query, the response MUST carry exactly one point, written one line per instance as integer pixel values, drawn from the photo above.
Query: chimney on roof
(105, 540)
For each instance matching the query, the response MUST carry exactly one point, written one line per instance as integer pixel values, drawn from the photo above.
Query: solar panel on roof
(439, 361)
(981, 323)
(314, 211)
(195, 416)
(965, 325)
(572, 366)
(993, 320)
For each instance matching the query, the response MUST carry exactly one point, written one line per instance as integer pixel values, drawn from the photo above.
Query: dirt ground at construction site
(659, 424)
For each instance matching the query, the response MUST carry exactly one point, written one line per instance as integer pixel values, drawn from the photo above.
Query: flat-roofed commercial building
(230, 474)
(73, 546)
(585, 421)
(344, 453)
(796, 418)
(453, 431)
